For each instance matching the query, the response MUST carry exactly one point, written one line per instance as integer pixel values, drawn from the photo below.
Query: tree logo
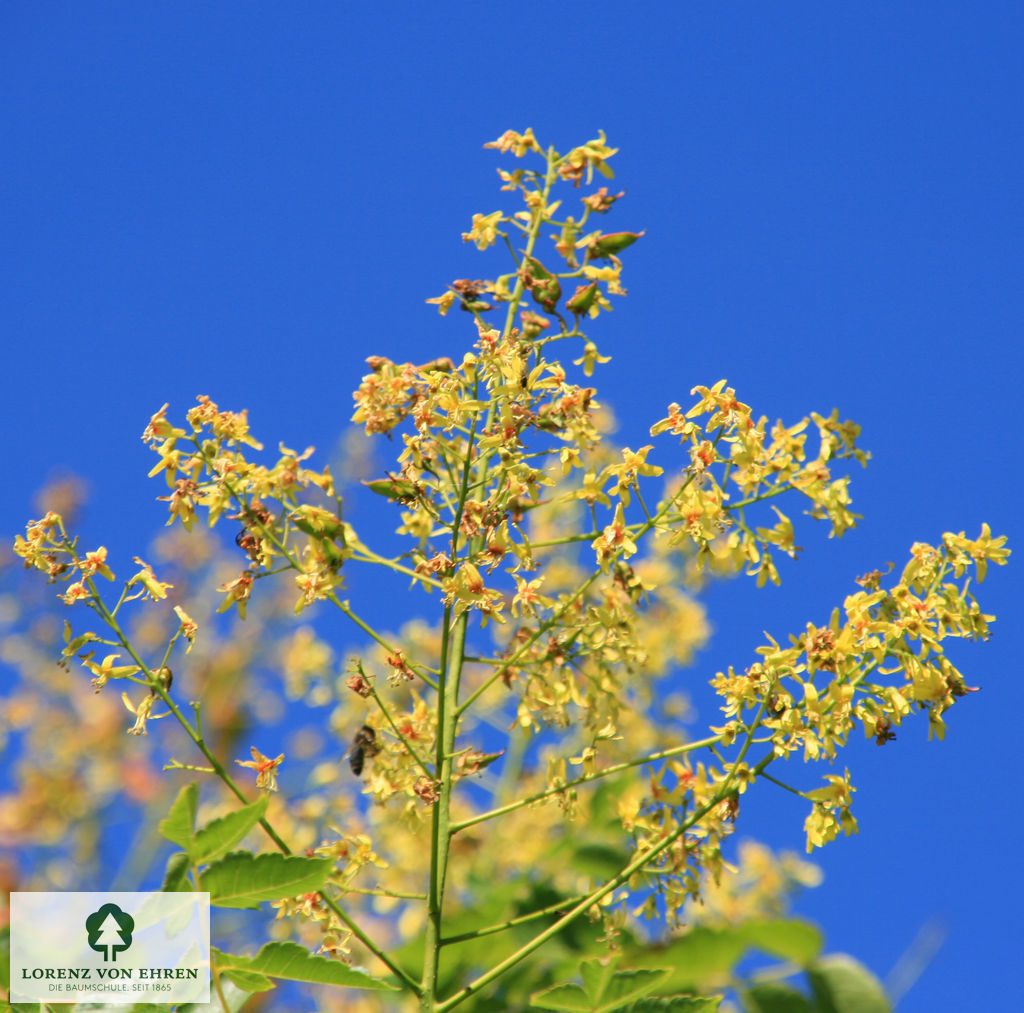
(110, 930)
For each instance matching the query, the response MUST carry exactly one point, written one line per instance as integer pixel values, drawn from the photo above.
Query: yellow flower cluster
(207, 469)
(730, 449)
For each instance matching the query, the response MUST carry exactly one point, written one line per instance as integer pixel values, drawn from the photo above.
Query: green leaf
(220, 835)
(179, 824)
(789, 939)
(703, 958)
(251, 981)
(176, 874)
(597, 978)
(604, 989)
(775, 997)
(242, 879)
(700, 958)
(292, 962)
(675, 1004)
(842, 985)
(569, 998)
(626, 986)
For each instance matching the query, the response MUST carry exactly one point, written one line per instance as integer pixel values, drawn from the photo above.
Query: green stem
(782, 784)
(452, 650)
(597, 775)
(490, 930)
(370, 557)
(643, 505)
(758, 498)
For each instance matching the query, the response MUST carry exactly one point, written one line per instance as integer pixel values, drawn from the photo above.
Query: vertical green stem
(453, 649)
(453, 646)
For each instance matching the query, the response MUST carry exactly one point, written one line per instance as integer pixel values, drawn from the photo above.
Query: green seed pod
(604, 246)
(582, 299)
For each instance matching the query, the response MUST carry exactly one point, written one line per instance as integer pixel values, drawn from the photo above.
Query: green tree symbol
(110, 930)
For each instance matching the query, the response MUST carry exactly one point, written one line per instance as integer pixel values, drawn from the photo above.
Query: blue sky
(246, 200)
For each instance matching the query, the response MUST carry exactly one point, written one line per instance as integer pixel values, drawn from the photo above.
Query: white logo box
(111, 947)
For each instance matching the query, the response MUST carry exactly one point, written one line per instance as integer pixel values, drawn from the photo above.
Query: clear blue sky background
(246, 200)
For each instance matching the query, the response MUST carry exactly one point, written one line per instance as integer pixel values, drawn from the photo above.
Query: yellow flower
(985, 548)
(266, 768)
(75, 592)
(838, 792)
(189, 627)
(443, 302)
(589, 358)
(142, 713)
(519, 143)
(484, 231)
(590, 491)
(232, 427)
(634, 464)
(676, 424)
(96, 562)
(725, 409)
(595, 273)
(107, 670)
(155, 589)
(169, 463)
(160, 429)
(315, 584)
(592, 155)
(528, 597)
(238, 592)
(466, 589)
(822, 825)
(614, 540)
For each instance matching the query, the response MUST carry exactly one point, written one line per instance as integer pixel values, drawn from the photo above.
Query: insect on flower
(364, 744)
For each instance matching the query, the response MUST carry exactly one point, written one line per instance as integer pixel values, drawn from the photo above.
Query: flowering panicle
(581, 559)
